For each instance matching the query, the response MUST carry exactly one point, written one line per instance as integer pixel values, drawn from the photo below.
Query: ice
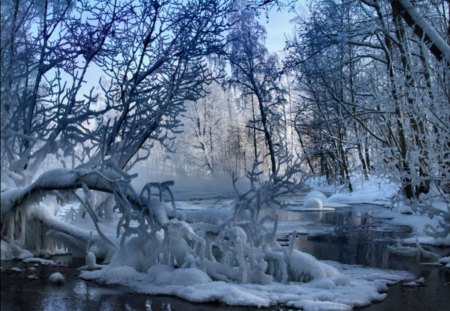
(166, 275)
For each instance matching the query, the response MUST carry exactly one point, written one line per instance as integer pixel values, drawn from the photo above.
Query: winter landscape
(225, 155)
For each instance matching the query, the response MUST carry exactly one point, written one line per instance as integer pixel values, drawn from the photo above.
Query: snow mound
(314, 200)
(313, 203)
(316, 194)
(56, 278)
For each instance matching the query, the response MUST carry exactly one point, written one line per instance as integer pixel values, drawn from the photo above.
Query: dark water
(363, 239)
(20, 293)
(353, 237)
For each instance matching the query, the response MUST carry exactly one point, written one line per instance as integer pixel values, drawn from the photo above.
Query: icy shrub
(239, 248)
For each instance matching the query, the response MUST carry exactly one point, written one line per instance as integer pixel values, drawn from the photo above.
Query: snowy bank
(373, 191)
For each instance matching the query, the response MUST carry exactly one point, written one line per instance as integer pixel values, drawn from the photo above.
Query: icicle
(292, 242)
(91, 260)
(23, 228)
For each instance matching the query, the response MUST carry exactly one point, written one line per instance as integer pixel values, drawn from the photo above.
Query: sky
(278, 28)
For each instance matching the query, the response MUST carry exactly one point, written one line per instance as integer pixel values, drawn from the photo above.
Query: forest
(117, 115)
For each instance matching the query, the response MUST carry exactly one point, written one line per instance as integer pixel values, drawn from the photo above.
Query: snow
(313, 203)
(56, 278)
(348, 286)
(315, 194)
(381, 191)
(16, 269)
(445, 260)
(40, 261)
(415, 283)
(166, 275)
(418, 223)
(376, 190)
(428, 240)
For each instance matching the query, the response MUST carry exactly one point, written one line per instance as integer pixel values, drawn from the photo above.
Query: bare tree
(255, 72)
(151, 55)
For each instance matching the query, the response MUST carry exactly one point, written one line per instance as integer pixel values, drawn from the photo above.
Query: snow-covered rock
(314, 200)
(316, 194)
(313, 203)
(57, 278)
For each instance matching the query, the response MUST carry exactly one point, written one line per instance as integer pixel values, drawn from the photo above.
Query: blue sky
(278, 27)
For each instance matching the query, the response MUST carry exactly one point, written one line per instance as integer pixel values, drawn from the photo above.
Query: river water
(350, 235)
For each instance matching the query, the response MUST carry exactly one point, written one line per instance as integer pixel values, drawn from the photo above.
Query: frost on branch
(160, 241)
